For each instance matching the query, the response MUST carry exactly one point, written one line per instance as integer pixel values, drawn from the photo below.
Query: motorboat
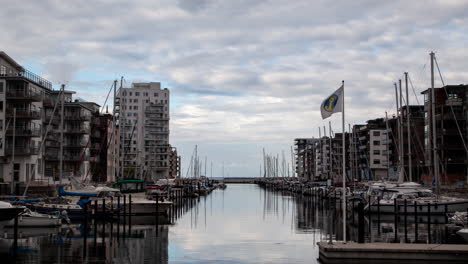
(143, 201)
(463, 233)
(8, 211)
(30, 218)
(381, 198)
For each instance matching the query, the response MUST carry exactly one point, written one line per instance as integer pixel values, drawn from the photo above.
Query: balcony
(52, 144)
(21, 150)
(75, 144)
(51, 156)
(31, 77)
(77, 117)
(25, 114)
(23, 94)
(24, 132)
(76, 130)
(75, 157)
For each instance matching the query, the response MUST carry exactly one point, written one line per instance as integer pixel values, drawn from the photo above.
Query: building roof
(11, 61)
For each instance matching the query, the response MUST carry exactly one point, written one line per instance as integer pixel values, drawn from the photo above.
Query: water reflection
(242, 224)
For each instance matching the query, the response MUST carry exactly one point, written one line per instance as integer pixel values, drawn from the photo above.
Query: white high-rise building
(143, 140)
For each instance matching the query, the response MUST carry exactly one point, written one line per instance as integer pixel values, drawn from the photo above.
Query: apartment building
(27, 103)
(372, 150)
(21, 96)
(337, 158)
(451, 105)
(305, 158)
(174, 163)
(143, 130)
(322, 159)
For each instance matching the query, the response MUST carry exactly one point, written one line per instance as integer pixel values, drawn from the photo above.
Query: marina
(235, 224)
(208, 131)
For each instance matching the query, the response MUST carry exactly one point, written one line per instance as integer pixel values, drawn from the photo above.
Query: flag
(333, 104)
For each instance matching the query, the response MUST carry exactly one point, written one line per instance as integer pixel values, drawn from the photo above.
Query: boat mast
(62, 110)
(400, 141)
(400, 178)
(388, 146)
(408, 124)
(12, 186)
(434, 143)
(331, 157)
(122, 133)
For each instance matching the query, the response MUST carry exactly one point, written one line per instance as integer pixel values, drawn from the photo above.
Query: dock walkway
(351, 252)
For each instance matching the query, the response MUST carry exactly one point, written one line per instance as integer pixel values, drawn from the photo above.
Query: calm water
(242, 224)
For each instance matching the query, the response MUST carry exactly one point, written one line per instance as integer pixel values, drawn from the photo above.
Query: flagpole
(344, 166)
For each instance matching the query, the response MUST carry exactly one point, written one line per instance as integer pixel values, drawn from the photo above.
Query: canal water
(242, 224)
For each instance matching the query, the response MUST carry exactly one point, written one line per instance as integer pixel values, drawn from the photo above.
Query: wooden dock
(351, 252)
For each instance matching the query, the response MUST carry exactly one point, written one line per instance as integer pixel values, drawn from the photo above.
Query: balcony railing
(75, 144)
(77, 117)
(26, 114)
(21, 150)
(24, 132)
(23, 94)
(30, 76)
(76, 130)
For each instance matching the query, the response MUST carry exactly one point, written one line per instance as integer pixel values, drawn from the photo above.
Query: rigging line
(107, 97)
(414, 91)
(451, 107)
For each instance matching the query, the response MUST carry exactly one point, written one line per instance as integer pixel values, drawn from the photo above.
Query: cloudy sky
(243, 74)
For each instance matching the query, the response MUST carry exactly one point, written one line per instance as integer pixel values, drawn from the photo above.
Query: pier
(350, 252)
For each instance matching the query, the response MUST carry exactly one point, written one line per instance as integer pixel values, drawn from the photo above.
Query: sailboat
(382, 196)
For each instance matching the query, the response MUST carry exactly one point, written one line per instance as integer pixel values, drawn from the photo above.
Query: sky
(243, 74)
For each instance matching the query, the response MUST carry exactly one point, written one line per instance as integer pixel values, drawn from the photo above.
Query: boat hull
(26, 221)
(10, 213)
(422, 208)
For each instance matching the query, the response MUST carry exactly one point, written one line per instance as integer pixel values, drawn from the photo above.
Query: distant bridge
(240, 179)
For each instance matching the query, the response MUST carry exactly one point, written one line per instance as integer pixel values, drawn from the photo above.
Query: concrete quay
(351, 252)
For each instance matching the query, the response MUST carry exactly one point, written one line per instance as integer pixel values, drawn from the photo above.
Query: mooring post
(378, 215)
(104, 209)
(15, 236)
(406, 223)
(416, 221)
(395, 220)
(96, 213)
(360, 222)
(129, 211)
(429, 222)
(85, 236)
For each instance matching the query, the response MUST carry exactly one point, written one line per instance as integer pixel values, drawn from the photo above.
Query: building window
(376, 133)
(135, 100)
(376, 152)
(376, 161)
(130, 93)
(376, 143)
(2, 70)
(1, 106)
(124, 93)
(137, 93)
(129, 114)
(1, 87)
(135, 107)
(135, 114)
(156, 94)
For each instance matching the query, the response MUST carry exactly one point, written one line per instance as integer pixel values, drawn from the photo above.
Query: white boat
(463, 233)
(8, 211)
(411, 192)
(34, 219)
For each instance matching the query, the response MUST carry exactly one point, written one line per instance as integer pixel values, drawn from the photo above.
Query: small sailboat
(8, 211)
(29, 218)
